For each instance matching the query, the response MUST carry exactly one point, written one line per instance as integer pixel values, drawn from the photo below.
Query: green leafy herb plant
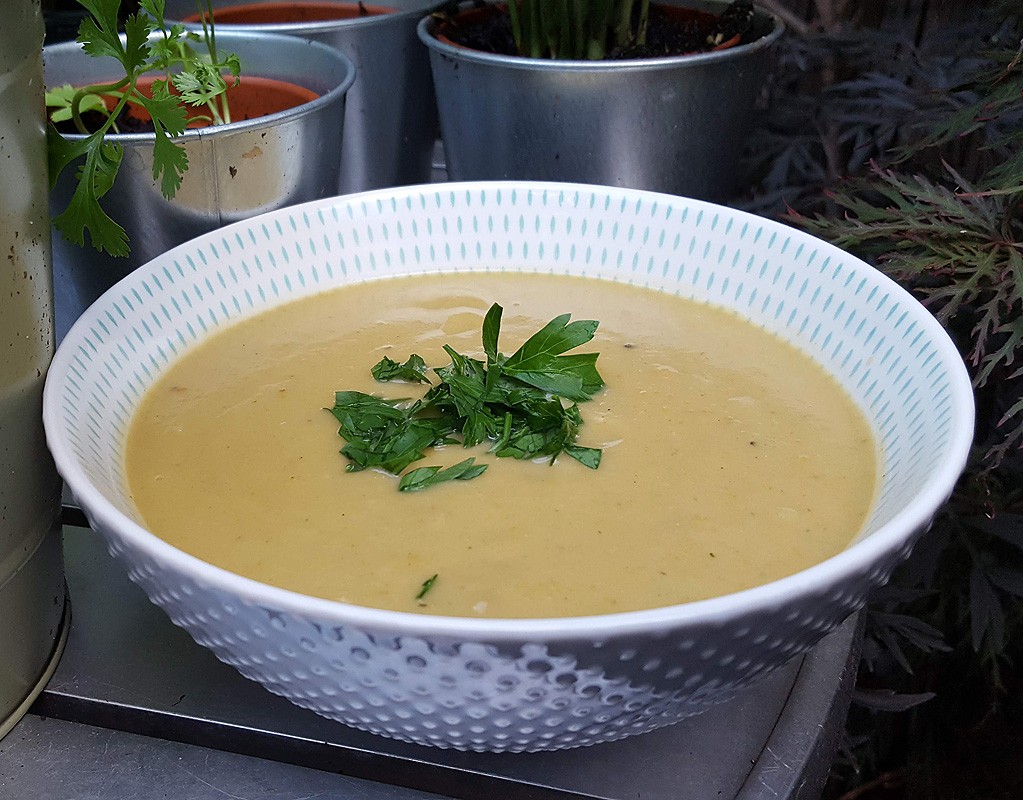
(525, 405)
(577, 28)
(599, 29)
(191, 78)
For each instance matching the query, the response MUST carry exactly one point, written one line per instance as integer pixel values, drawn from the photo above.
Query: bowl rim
(860, 557)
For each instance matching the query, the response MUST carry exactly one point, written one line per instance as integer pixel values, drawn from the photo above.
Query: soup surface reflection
(730, 458)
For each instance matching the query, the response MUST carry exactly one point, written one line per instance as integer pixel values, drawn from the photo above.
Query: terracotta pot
(673, 124)
(236, 171)
(291, 12)
(253, 97)
(390, 114)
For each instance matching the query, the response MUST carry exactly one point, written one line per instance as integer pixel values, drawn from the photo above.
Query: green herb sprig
(425, 589)
(197, 80)
(580, 29)
(525, 405)
(594, 29)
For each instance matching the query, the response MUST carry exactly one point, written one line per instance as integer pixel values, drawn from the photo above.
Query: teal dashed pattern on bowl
(879, 343)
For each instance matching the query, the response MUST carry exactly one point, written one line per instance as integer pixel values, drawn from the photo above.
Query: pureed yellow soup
(730, 458)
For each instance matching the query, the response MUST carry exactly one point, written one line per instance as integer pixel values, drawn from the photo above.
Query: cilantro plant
(190, 79)
(525, 405)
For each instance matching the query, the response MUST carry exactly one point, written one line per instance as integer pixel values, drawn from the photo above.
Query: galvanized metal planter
(32, 594)
(235, 171)
(391, 114)
(673, 125)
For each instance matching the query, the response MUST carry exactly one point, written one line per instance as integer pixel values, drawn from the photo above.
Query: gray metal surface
(796, 758)
(31, 572)
(47, 759)
(235, 171)
(128, 668)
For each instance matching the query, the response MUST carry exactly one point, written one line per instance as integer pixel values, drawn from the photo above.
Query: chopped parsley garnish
(427, 585)
(413, 370)
(525, 405)
(418, 479)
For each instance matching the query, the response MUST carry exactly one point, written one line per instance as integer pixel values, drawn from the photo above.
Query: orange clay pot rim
(255, 123)
(429, 26)
(243, 92)
(395, 16)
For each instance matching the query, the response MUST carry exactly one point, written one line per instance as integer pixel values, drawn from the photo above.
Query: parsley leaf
(418, 479)
(539, 362)
(427, 585)
(526, 405)
(413, 370)
(381, 434)
(491, 332)
(587, 456)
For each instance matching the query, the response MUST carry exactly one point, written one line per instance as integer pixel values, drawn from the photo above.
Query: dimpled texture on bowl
(515, 685)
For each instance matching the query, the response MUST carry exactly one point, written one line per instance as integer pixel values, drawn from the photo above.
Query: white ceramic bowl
(513, 685)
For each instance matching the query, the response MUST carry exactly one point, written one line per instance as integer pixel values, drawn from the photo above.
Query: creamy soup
(730, 458)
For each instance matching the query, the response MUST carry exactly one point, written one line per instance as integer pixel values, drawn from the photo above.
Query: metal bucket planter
(235, 171)
(674, 125)
(391, 114)
(32, 595)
